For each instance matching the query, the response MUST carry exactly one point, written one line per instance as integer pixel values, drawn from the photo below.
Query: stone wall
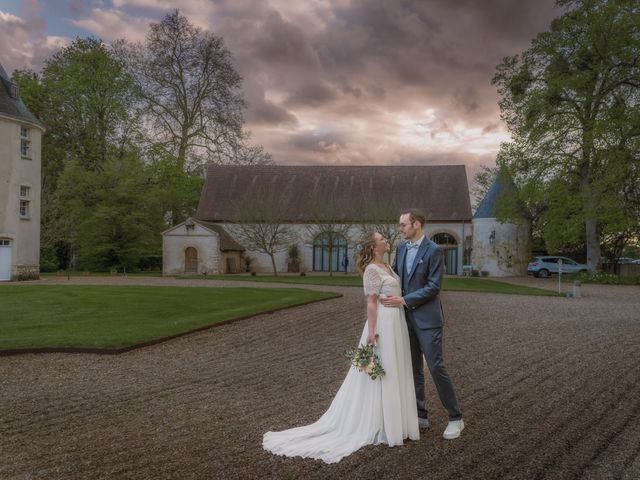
(26, 272)
(501, 249)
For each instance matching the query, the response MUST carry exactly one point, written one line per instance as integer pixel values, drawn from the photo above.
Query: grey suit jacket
(421, 284)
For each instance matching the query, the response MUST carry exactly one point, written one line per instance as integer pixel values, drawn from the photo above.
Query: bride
(364, 411)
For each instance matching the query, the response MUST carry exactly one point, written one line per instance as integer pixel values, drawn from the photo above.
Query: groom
(419, 264)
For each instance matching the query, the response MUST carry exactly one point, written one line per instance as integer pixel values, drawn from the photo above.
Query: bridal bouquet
(364, 359)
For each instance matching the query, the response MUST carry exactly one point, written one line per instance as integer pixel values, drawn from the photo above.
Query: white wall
(262, 263)
(507, 255)
(15, 172)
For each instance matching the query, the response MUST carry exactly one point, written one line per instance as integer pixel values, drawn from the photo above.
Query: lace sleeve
(372, 281)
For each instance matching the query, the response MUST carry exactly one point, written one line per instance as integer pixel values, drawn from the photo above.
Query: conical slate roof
(10, 104)
(487, 206)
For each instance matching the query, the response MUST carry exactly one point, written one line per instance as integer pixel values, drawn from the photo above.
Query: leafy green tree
(114, 216)
(85, 99)
(571, 105)
(178, 191)
(88, 99)
(30, 90)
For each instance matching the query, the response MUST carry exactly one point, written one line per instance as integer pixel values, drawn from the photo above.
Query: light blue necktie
(412, 250)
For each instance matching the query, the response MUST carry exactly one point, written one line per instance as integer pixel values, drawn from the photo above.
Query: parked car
(636, 262)
(625, 260)
(545, 266)
(620, 260)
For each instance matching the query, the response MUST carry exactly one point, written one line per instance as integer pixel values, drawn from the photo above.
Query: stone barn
(325, 207)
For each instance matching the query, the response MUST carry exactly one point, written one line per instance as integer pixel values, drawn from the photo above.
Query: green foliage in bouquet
(364, 359)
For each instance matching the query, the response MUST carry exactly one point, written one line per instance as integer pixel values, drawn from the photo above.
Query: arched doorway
(191, 260)
(5, 259)
(450, 247)
(322, 257)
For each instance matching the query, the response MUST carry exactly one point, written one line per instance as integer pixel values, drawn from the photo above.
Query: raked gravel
(549, 388)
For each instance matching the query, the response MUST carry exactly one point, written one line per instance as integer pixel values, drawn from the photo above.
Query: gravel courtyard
(549, 387)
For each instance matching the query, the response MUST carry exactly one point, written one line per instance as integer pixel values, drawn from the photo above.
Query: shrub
(606, 278)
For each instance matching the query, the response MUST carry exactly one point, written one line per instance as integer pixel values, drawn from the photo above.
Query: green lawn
(454, 284)
(42, 316)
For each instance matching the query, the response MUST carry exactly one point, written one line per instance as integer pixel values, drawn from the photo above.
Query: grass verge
(453, 284)
(114, 317)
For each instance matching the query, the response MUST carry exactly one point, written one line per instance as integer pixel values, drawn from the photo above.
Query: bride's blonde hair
(365, 247)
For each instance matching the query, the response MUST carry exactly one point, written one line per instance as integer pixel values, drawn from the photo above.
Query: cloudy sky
(329, 81)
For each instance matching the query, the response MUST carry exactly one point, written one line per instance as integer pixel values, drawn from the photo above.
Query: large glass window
(444, 239)
(323, 256)
(450, 247)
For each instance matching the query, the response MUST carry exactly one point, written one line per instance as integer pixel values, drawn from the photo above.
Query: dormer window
(14, 91)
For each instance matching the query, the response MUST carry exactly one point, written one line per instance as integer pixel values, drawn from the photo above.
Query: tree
(84, 97)
(482, 183)
(191, 94)
(178, 191)
(113, 216)
(258, 224)
(87, 107)
(571, 105)
(123, 230)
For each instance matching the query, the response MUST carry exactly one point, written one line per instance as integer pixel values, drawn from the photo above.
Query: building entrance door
(5, 259)
(191, 260)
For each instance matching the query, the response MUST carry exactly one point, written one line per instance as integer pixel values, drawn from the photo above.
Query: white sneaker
(453, 430)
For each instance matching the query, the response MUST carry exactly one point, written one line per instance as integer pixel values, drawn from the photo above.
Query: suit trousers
(429, 343)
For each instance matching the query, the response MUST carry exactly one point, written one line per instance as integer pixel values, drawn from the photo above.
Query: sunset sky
(385, 82)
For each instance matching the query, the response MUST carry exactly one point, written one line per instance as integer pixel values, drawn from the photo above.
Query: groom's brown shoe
(423, 422)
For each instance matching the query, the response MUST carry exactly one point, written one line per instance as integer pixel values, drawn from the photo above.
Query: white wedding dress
(364, 411)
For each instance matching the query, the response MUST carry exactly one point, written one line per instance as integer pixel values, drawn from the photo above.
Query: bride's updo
(365, 247)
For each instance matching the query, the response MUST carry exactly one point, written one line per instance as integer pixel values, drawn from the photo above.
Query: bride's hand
(392, 301)
(371, 339)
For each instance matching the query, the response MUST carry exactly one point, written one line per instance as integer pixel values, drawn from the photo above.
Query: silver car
(545, 266)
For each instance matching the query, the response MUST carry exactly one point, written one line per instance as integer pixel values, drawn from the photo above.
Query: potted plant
(293, 260)
(247, 262)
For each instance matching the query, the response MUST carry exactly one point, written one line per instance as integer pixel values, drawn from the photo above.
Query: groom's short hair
(416, 215)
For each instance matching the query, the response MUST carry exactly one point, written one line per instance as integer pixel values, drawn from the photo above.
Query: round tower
(501, 249)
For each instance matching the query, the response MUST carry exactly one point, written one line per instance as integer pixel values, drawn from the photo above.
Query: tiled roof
(13, 107)
(227, 243)
(350, 194)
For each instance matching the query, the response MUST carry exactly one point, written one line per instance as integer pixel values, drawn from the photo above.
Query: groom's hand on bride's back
(392, 301)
